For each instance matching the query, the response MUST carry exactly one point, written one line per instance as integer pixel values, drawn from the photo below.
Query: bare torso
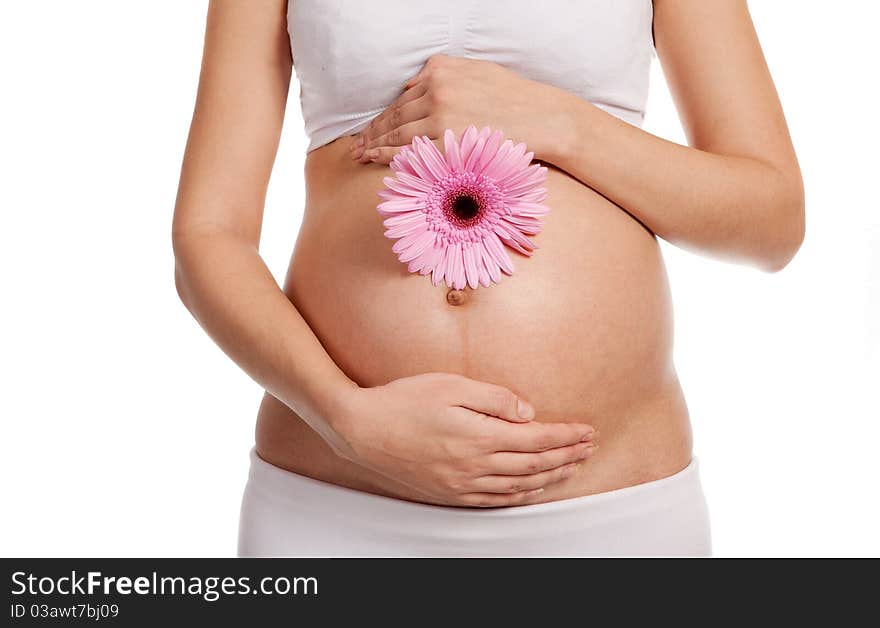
(583, 329)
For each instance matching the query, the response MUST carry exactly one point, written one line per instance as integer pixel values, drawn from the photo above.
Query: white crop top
(352, 57)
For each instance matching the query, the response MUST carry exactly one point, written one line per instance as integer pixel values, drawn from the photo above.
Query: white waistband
(287, 514)
(286, 484)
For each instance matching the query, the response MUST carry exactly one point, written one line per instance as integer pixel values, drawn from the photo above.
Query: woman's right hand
(459, 441)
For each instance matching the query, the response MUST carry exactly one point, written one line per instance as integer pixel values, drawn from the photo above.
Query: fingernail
(524, 409)
(536, 491)
(372, 154)
(588, 436)
(569, 471)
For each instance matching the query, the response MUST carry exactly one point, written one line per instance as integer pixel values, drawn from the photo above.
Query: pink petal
(468, 139)
(470, 265)
(421, 169)
(406, 228)
(431, 157)
(418, 246)
(482, 272)
(403, 243)
(511, 165)
(535, 195)
(391, 195)
(404, 218)
(498, 160)
(424, 263)
(448, 261)
(489, 152)
(401, 187)
(526, 224)
(491, 267)
(456, 267)
(401, 161)
(528, 209)
(514, 239)
(414, 182)
(477, 151)
(476, 154)
(430, 258)
(533, 176)
(497, 253)
(439, 270)
(453, 154)
(402, 205)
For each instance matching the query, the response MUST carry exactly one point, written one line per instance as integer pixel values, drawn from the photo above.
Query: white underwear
(287, 514)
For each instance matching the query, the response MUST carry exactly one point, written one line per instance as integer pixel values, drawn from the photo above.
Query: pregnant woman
(538, 413)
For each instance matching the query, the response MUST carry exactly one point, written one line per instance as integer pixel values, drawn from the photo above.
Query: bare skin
(378, 380)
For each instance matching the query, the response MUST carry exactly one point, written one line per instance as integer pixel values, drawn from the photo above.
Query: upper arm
(719, 80)
(236, 126)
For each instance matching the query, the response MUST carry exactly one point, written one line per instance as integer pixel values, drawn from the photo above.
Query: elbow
(180, 285)
(786, 234)
(180, 270)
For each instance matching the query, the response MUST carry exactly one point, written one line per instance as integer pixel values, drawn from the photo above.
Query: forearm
(732, 207)
(227, 287)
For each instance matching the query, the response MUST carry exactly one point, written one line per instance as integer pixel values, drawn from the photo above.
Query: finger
(519, 463)
(405, 97)
(416, 80)
(509, 484)
(494, 400)
(410, 94)
(398, 129)
(398, 112)
(537, 437)
(401, 136)
(382, 155)
(394, 139)
(495, 500)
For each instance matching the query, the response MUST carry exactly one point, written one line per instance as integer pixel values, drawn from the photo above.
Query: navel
(456, 297)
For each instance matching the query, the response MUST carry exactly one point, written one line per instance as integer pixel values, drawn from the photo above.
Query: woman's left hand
(453, 93)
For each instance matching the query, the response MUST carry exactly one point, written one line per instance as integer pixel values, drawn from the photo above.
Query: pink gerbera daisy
(450, 215)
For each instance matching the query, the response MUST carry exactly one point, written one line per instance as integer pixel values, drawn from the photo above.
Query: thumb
(495, 400)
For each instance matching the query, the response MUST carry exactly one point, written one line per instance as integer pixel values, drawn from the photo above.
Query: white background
(125, 431)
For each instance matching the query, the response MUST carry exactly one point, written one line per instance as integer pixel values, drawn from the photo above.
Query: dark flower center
(465, 207)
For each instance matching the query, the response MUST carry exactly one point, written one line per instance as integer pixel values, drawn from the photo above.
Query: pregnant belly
(582, 329)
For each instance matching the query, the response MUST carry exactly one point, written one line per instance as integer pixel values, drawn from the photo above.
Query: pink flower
(450, 215)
